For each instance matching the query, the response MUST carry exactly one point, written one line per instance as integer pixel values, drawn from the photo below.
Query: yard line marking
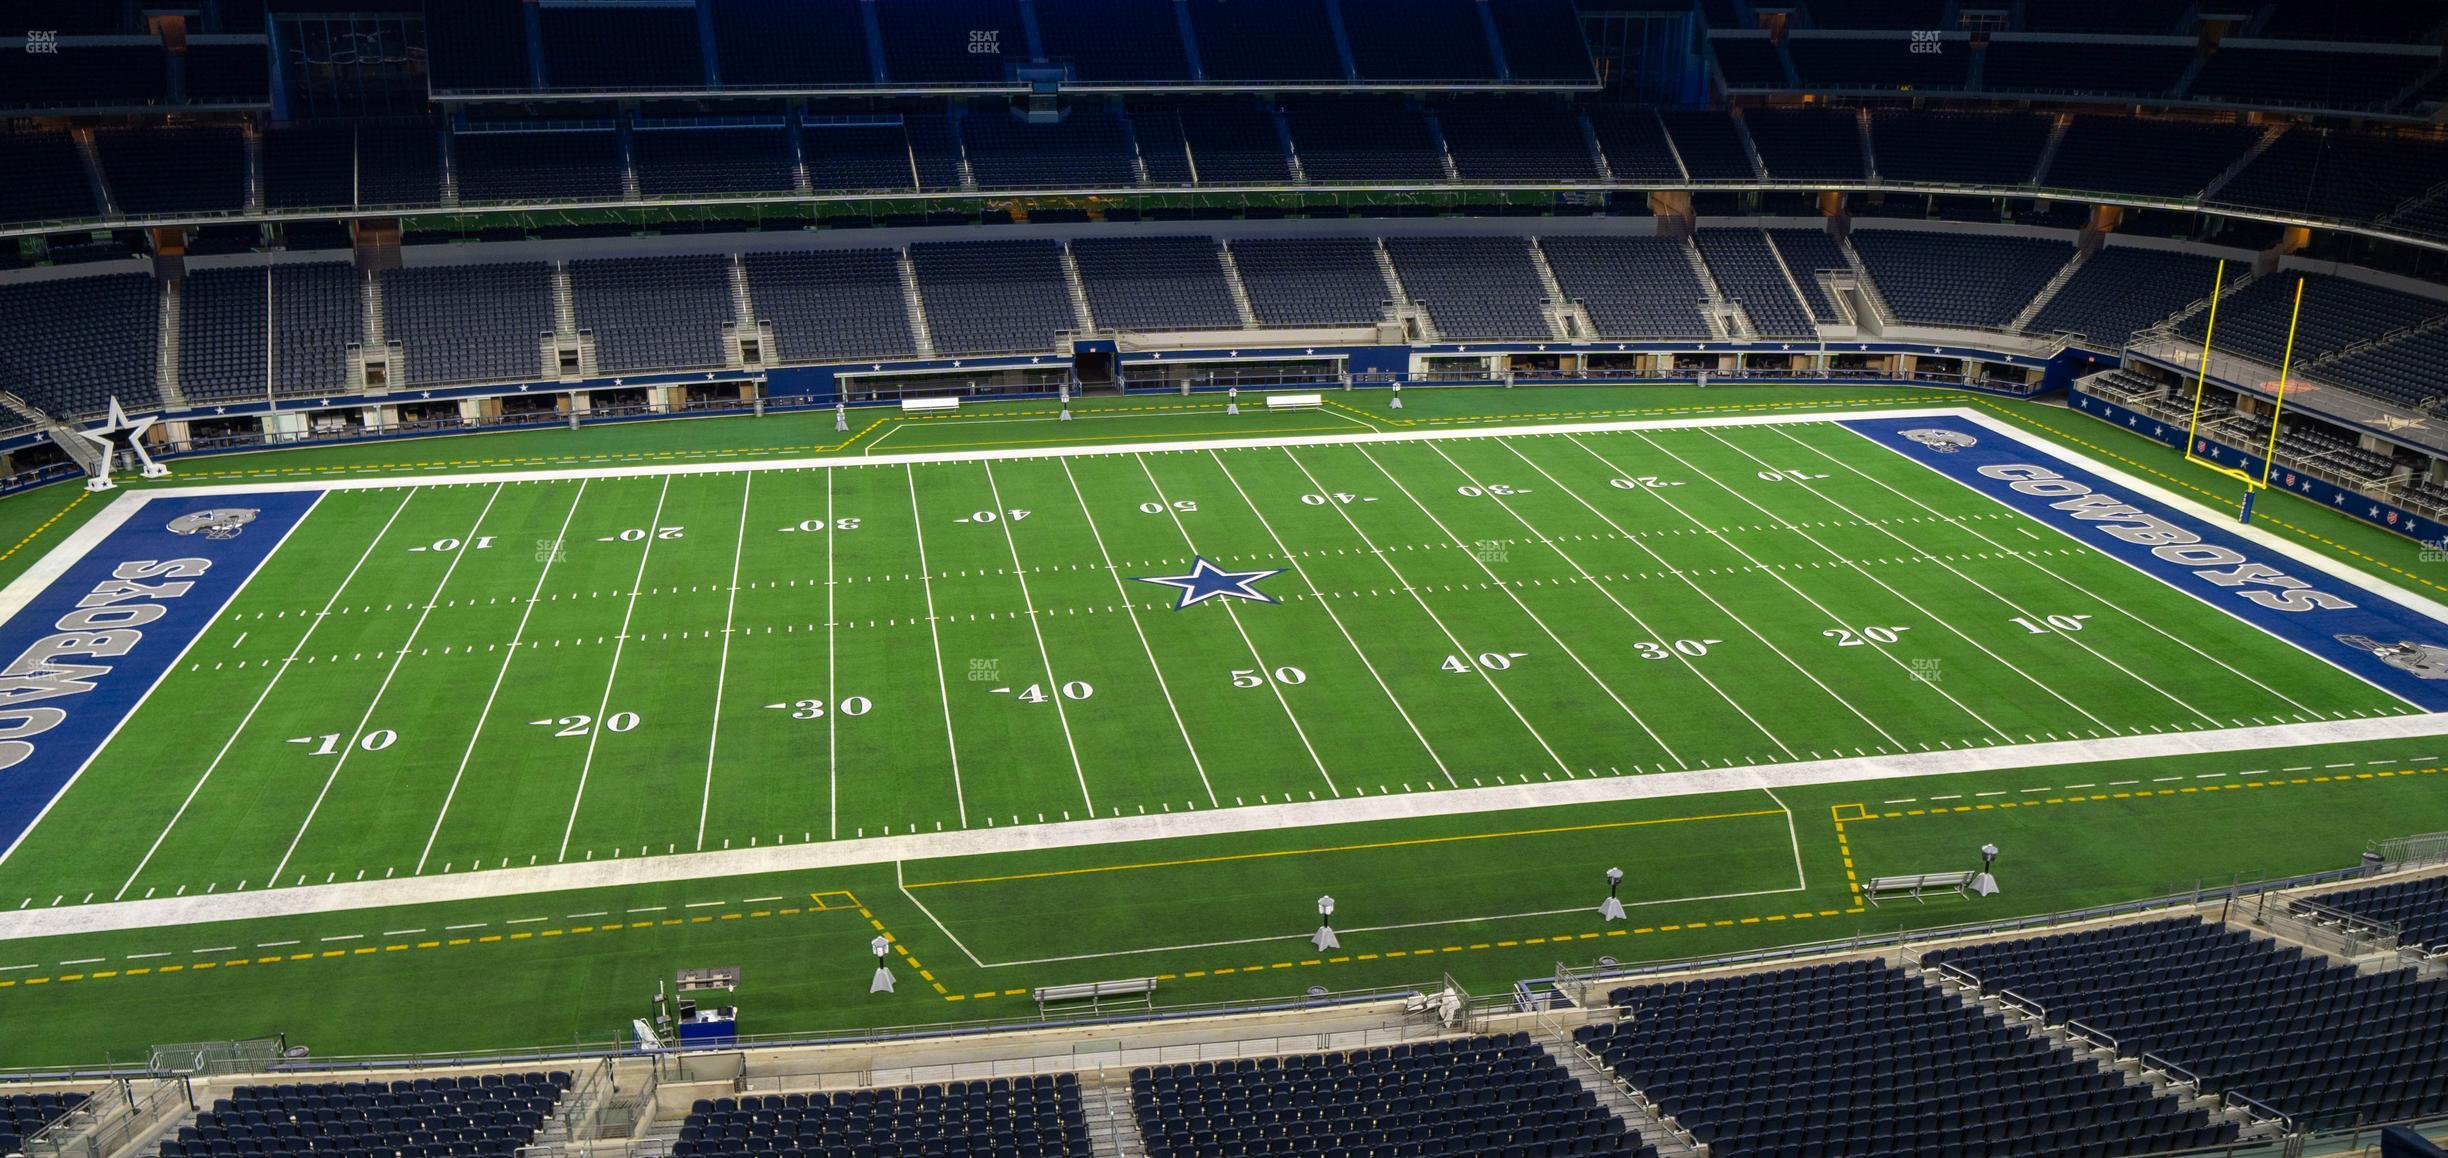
(722, 668)
(620, 643)
(1062, 715)
(1924, 553)
(398, 657)
(1864, 572)
(940, 927)
(832, 670)
(1602, 589)
(1694, 584)
(1131, 609)
(926, 579)
(266, 694)
(517, 635)
(1422, 601)
(1292, 559)
(1234, 614)
(1805, 596)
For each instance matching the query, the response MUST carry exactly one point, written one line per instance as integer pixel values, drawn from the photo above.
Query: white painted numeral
(1175, 505)
(1695, 648)
(815, 709)
(1498, 489)
(1248, 677)
(1016, 514)
(1073, 690)
(581, 724)
(813, 525)
(1847, 637)
(1788, 476)
(2048, 623)
(1345, 498)
(329, 744)
(446, 546)
(1488, 660)
(1647, 482)
(639, 534)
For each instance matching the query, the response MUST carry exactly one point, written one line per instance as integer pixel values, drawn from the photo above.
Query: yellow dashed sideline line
(825, 902)
(1425, 840)
(46, 524)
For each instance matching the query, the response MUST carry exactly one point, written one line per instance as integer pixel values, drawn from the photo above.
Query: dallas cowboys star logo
(1207, 581)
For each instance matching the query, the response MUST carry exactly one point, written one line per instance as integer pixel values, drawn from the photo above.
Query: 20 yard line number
(582, 724)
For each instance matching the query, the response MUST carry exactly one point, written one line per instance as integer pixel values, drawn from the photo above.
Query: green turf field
(445, 679)
(463, 676)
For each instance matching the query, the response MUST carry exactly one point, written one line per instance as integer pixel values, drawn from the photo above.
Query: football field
(462, 675)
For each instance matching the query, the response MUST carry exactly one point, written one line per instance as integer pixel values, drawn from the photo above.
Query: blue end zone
(2393, 646)
(92, 645)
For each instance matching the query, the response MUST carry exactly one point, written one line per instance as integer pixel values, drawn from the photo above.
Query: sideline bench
(1296, 401)
(1135, 991)
(1916, 884)
(922, 405)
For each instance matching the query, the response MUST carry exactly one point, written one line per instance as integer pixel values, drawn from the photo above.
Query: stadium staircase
(1869, 151)
(1445, 161)
(94, 178)
(1283, 140)
(1240, 290)
(373, 297)
(1113, 1124)
(1084, 319)
(1725, 318)
(1759, 164)
(1672, 150)
(1620, 1099)
(1416, 318)
(166, 349)
(744, 324)
(448, 190)
(565, 326)
(1567, 320)
(82, 452)
(1866, 290)
(2048, 152)
(1785, 268)
(1589, 140)
(921, 338)
(2269, 137)
(2048, 292)
(2102, 1057)
(253, 138)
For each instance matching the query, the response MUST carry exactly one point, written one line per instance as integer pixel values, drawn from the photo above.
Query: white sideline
(171, 911)
(468, 886)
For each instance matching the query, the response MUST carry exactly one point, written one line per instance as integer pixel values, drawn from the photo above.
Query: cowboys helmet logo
(217, 523)
(2425, 660)
(1942, 441)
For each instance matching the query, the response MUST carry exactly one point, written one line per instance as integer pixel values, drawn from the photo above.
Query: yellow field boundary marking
(62, 513)
(2144, 793)
(824, 902)
(1367, 847)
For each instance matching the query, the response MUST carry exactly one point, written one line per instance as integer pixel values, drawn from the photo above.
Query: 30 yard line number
(815, 709)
